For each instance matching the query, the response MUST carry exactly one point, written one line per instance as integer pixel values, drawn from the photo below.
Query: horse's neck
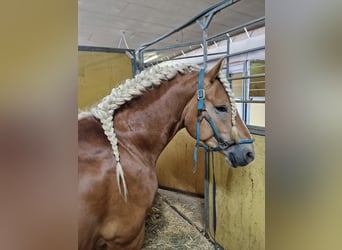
(148, 123)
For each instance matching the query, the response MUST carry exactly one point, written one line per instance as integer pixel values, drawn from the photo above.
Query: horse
(120, 139)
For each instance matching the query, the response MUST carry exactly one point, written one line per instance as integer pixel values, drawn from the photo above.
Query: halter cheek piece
(203, 114)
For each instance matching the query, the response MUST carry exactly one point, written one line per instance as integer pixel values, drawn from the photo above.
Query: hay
(165, 229)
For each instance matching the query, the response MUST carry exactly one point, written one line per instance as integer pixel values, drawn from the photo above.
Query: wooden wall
(240, 192)
(175, 165)
(240, 202)
(98, 73)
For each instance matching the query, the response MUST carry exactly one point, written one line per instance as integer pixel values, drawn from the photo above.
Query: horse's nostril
(232, 159)
(250, 156)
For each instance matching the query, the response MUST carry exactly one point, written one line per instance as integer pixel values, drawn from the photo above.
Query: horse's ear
(213, 72)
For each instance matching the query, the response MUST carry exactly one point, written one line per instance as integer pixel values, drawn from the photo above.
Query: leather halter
(203, 114)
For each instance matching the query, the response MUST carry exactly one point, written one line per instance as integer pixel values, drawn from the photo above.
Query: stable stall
(234, 199)
(216, 206)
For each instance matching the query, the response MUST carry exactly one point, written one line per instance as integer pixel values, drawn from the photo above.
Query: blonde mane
(124, 93)
(231, 96)
(132, 88)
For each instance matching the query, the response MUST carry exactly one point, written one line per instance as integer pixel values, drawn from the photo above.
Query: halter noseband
(222, 144)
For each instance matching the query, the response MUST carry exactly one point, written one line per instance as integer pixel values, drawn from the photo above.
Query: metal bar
(246, 77)
(104, 49)
(210, 39)
(206, 192)
(244, 94)
(203, 23)
(250, 101)
(168, 47)
(212, 54)
(257, 130)
(247, 82)
(134, 65)
(238, 27)
(212, 10)
(256, 82)
(227, 58)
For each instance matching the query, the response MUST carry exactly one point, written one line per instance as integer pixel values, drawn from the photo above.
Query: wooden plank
(240, 202)
(175, 165)
(98, 73)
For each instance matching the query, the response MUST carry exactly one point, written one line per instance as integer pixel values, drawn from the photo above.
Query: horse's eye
(221, 109)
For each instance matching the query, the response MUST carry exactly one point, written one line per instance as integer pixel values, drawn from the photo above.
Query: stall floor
(176, 221)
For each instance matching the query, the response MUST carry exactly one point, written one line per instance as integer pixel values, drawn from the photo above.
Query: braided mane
(231, 97)
(135, 87)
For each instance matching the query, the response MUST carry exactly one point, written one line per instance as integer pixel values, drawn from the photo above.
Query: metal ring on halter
(223, 145)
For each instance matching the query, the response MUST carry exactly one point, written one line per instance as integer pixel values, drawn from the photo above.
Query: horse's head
(218, 123)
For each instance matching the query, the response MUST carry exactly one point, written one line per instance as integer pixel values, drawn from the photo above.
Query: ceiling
(130, 23)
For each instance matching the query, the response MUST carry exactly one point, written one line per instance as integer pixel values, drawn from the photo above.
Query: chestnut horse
(121, 138)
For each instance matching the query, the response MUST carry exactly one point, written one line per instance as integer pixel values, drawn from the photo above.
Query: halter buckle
(224, 145)
(200, 94)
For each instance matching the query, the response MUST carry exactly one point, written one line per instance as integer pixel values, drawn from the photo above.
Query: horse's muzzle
(239, 155)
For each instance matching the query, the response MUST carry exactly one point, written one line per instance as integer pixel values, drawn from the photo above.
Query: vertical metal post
(206, 191)
(244, 92)
(131, 55)
(205, 48)
(203, 23)
(227, 58)
(141, 60)
(248, 85)
(227, 62)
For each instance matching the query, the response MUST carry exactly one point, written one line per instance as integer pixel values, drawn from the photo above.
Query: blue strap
(214, 196)
(200, 91)
(213, 127)
(246, 141)
(198, 142)
(200, 107)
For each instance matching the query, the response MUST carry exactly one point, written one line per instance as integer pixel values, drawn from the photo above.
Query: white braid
(125, 92)
(231, 96)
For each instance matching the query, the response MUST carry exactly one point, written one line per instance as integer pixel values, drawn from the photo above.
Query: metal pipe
(210, 39)
(204, 23)
(246, 77)
(244, 93)
(211, 10)
(214, 8)
(206, 192)
(227, 58)
(213, 54)
(250, 101)
(238, 27)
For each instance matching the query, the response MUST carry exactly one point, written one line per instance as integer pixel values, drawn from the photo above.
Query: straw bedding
(166, 229)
